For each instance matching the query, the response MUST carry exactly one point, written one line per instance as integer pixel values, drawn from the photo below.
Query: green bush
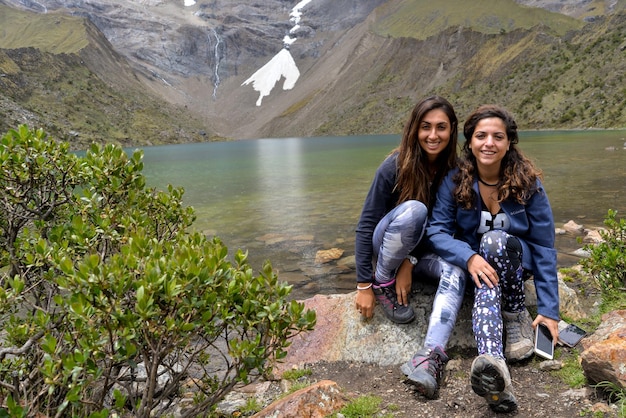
(108, 305)
(607, 260)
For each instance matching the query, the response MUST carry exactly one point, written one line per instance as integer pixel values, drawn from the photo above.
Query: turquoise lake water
(284, 199)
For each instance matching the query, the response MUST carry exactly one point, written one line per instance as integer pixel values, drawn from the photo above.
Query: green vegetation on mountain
(421, 19)
(50, 32)
(549, 82)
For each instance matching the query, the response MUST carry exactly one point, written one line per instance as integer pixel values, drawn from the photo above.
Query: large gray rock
(342, 335)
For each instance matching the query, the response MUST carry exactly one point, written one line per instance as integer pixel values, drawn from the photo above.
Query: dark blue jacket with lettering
(452, 232)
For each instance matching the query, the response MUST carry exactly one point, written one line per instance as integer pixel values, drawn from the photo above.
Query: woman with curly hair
(492, 217)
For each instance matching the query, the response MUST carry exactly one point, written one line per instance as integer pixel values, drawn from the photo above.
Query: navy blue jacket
(452, 234)
(381, 199)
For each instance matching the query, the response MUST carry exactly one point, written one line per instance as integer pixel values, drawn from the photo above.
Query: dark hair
(490, 111)
(518, 175)
(413, 180)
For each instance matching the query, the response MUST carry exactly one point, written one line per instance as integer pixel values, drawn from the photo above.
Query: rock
(235, 400)
(604, 352)
(572, 226)
(577, 394)
(568, 298)
(348, 262)
(581, 253)
(326, 256)
(593, 236)
(549, 365)
(316, 401)
(342, 335)
(601, 408)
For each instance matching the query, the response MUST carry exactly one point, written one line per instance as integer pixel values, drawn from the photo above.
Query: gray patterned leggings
(504, 253)
(450, 291)
(395, 236)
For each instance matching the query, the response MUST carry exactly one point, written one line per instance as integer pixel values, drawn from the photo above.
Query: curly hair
(518, 175)
(413, 177)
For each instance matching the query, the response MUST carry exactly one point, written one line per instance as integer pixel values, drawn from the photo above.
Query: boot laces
(430, 361)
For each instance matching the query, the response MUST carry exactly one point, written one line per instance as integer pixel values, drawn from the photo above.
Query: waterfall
(218, 40)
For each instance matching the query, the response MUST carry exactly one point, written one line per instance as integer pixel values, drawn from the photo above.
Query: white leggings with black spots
(504, 254)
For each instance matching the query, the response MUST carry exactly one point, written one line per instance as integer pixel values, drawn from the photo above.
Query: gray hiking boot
(520, 342)
(425, 370)
(490, 379)
(388, 299)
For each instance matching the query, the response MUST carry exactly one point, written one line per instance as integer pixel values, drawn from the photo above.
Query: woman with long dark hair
(389, 247)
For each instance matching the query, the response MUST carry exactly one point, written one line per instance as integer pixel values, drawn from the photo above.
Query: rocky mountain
(358, 65)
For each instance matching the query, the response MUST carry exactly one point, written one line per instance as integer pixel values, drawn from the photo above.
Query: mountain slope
(60, 73)
(364, 64)
(548, 81)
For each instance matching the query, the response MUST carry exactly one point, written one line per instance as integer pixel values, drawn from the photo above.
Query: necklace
(487, 184)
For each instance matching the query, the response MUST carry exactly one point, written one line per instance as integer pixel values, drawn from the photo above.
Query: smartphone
(543, 342)
(570, 334)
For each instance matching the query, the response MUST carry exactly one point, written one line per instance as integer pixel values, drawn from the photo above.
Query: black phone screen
(571, 335)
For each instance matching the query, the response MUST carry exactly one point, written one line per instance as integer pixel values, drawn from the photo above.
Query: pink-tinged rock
(572, 226)
(593, 236)
(604, 355)
(316, 401)
(327, 337)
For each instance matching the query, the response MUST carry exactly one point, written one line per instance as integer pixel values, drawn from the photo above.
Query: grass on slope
(420, 19)
(51, 32)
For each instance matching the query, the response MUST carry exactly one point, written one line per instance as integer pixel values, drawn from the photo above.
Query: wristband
(363, 288)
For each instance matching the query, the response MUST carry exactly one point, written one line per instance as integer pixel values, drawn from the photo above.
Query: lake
(284, 199)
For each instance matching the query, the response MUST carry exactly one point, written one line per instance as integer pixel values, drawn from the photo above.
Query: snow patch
(264, 80)
(282, 65)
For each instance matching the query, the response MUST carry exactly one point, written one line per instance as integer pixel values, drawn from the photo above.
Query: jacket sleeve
(442, 227)
(380, 199)
(540, 240)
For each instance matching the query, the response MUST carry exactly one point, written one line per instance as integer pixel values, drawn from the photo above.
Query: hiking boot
(520, 342)
(388, 299)
(425, 370)
(490, 379)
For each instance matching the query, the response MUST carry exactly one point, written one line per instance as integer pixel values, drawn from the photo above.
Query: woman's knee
(501, 244)
(493, 240)
(413, 210)
(410, 220)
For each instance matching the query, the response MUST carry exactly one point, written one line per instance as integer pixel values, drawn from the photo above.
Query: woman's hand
(404, 281)
(552, 324)
(482, 272)
(365, 302)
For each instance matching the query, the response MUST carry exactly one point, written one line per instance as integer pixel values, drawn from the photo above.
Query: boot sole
(514, 357)
(399, 320)
(402, 320)
(489, 383)
(420, 387)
